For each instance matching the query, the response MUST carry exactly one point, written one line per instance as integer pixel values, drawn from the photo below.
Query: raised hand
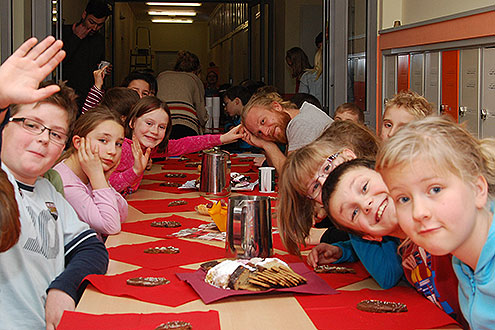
(233, 135)
(140, 159)
(99, 76)
(22, 72)
(80, 30)
(324, 254)
(91, 164)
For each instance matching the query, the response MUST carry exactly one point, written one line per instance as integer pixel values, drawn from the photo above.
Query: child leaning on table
(40, 275)
(442, 180)
(93, 154)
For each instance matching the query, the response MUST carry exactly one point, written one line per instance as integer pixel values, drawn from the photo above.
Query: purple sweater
(102, 209)
(126, 181)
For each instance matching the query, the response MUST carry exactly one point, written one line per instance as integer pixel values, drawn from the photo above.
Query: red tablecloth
(162, 177)
(340, 312)
(161, 205)
(190, 252)
(82, 321)
(174, 294)
(144, 227)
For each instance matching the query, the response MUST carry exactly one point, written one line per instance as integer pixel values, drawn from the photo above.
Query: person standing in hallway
(85, 47)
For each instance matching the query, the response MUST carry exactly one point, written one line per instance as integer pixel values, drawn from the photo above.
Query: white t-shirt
(306, 127)
(48, 223)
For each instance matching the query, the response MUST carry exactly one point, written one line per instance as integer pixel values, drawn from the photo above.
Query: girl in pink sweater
(94, 153)
(149, 126)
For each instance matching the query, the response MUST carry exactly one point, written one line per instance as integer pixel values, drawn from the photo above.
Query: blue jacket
(379, 258)
(477, 288)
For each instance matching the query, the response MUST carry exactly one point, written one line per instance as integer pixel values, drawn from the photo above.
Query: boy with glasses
(40, 276)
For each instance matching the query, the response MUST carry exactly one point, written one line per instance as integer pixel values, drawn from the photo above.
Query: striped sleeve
(95, 95)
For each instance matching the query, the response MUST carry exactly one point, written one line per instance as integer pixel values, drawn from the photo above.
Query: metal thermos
(215, 174)
(249, 227)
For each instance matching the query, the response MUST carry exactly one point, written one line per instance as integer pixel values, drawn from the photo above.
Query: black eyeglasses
(38, 128)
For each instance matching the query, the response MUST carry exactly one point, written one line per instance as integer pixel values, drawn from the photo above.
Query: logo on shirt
(53, 209)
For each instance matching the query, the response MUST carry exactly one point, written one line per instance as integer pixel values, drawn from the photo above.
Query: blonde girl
(305, 171)
(403, 108)
(94, 153)
(442, 180)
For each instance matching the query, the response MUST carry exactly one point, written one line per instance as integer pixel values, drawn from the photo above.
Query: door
(432, 79)
(450, 83)
(402, 72)
(349, 55)
(488, 93)
(389, 79)
(469, 89)
(416, 75)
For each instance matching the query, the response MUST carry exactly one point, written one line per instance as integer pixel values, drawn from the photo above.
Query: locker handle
(462, 111)
(483, 114)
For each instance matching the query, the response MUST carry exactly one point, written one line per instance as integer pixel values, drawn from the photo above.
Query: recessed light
(184, 4)
(171, 20)
(171, 13)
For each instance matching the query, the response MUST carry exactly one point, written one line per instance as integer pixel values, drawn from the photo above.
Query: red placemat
(82, 321)
(178, 166)
(209, 293)
(173, 294)
(334, 280)
(162, 177)
(161, 205)
(158, 187)
(250, 168)
(144, 227)
(190, 252)
(328, 311)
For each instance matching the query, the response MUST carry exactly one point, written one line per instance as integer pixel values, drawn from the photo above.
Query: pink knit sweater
(126, 181)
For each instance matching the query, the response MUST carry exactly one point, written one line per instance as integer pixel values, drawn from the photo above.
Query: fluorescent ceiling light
(171, 20)
(172, 13)
(185, 4)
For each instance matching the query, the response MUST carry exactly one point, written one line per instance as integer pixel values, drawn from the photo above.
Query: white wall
(413, 11)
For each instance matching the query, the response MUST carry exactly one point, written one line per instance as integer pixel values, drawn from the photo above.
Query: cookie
(162, 249)
(166, 224)
(175, 325)
(209, 264)
(175, 175)
(202, 209)
(334, 269)
(147, 281)
(379, 306)
(177, 202)
(170, 184)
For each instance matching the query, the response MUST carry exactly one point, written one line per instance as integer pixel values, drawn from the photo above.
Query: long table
(270, 311)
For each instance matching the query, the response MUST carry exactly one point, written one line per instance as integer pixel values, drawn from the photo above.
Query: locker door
(402, 72)
(450, 83)
(469, 89)
(488, 93)
(417, 73)
(389, 78)
(432, 78)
